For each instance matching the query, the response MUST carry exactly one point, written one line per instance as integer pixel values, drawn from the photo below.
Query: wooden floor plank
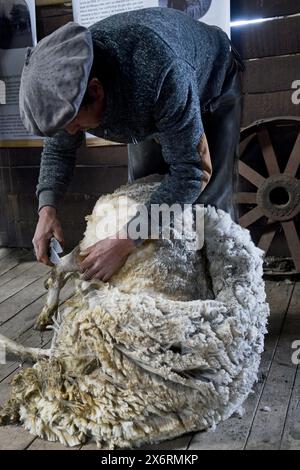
(40, 444)
(22, 300)
(233, 433)
(15, 272)
(15, 257)
(181, 443)
(14, 437)
(90, 446)
(267, 428)
(27, 273)
(5, 252)
(291, 433)
(4, 390)
(24, 320)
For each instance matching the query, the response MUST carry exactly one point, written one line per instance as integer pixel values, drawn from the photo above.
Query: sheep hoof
(42, 324)
(7, 418)
(43, 320)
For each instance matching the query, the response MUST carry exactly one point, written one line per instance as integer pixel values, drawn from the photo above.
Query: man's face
(89, 115)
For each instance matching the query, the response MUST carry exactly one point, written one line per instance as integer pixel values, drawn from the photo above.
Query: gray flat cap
(54, 79)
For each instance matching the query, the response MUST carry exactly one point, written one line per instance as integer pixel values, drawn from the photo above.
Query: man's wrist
(135, 241)
(49, 210)
(123, 235)
(48, 198)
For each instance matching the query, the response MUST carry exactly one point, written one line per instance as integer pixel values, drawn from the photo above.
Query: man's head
(91, 109)
(56, 79)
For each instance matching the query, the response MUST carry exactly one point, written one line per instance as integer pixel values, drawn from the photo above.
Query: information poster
(87, 12)
(214, 12)
(17, 32)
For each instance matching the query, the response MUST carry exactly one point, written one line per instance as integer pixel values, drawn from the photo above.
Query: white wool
(171, 345)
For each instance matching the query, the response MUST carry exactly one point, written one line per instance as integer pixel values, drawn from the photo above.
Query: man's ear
(95, 89)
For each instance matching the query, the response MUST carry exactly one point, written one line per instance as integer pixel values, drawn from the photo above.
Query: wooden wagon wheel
(270, 183)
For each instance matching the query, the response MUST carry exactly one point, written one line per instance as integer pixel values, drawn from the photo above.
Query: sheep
(170, 345)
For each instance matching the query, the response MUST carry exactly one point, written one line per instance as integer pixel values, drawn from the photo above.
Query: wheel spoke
(245, 143)
(268, 152)
(294, 160)
(246, 198)
(293, 242)
(251, 175)
(266, 240)
(250, 217)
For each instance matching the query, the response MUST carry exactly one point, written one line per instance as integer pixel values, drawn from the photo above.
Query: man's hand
(105, 258)
(47, 227)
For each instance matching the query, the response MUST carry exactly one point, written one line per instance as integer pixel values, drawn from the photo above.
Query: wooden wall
(252, 9)
(272, 57)
(99, 170)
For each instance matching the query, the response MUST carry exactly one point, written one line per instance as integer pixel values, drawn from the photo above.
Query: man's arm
(57, 167)
(178, 120)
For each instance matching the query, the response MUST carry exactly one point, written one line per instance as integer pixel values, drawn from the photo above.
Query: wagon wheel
(269, 192)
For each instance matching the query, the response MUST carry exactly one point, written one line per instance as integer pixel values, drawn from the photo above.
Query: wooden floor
(272, 413)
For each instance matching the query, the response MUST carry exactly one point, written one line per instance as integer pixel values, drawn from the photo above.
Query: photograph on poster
(194, 8)
(17, 33)
(15, 24)
(213, 12)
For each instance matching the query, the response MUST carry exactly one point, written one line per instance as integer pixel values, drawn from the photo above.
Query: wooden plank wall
(272, 57)
(252, 9)
(99, 170)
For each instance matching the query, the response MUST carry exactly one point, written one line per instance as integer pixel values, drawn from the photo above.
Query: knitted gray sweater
(159, 69)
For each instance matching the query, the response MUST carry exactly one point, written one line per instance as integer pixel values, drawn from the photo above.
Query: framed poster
(214, 12)
(17, 33)
(87, 12)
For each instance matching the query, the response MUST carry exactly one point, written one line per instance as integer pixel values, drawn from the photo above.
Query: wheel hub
(279, 197)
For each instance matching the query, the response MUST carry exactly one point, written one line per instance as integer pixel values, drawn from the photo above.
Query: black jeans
(221, 121)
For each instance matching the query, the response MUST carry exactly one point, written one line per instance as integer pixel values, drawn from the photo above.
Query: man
(153, 78)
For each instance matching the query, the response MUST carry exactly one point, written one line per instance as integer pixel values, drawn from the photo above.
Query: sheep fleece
(170, 345)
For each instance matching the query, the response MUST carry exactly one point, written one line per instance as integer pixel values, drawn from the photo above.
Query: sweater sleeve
(57, 167)
(178, 121)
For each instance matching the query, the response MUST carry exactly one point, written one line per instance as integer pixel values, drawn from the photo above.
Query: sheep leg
(58, 278)
(33, 354)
